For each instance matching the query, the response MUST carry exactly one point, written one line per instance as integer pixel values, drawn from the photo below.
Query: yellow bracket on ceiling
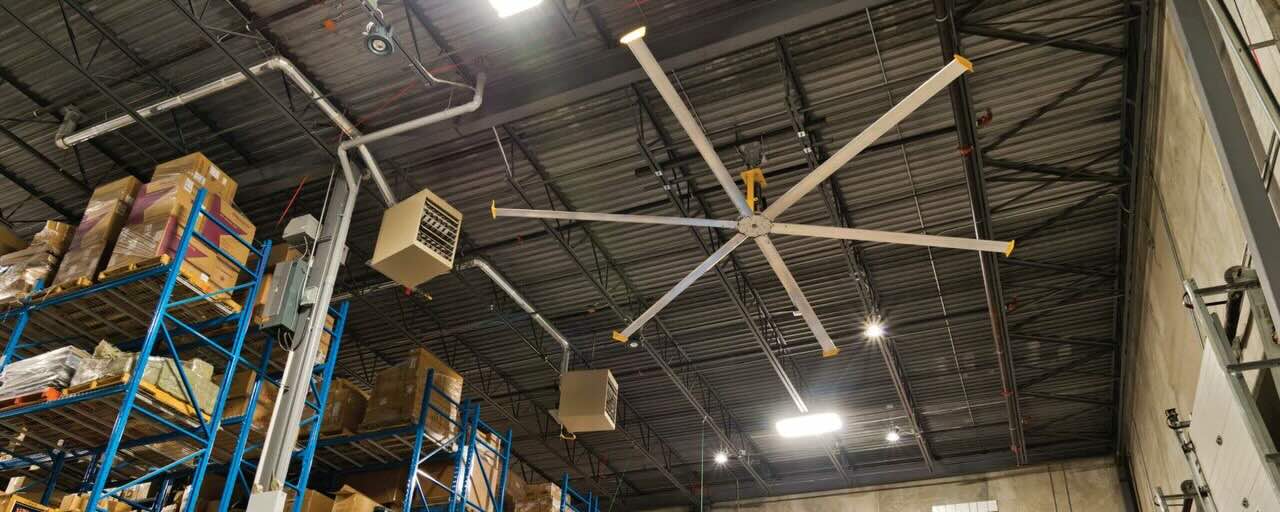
(752, 177)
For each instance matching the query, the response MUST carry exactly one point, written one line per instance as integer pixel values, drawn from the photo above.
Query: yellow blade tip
(619, 337)
(830, 352)
(1009, 248)
(633, 35)
(968, 65)
(493, 208)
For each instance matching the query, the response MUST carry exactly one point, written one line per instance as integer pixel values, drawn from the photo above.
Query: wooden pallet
(79, 283)
(177, 404)
(34, 397)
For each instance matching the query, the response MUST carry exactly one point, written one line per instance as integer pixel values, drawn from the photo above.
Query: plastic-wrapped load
(109, 361)
(53, 369)
(19, 270)
(96, 234)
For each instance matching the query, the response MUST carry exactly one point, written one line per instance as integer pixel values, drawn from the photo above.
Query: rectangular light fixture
(508, 8)
(809, 425)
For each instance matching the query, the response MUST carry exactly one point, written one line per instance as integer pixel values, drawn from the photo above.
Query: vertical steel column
(144, 353)
(1231, 126)
(233, 362)
(419, 436)
(234, 467)
(322, 400)
(962, 111)
(267, 490)
(55, 470)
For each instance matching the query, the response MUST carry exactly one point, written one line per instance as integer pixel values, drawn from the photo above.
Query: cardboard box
(516, 486)
(156, 223)
(80, 502)
(205, 173)
(312, 501)
(397, 396)
(20, 270)
(238, 399)
(540, 498)
(387, 487)
(350, 500)
(10, 241)
(96, 234)
(344, 409)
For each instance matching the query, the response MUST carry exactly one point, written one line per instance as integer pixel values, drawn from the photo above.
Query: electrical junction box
(588, 401)
(417, 240)
(281, 311)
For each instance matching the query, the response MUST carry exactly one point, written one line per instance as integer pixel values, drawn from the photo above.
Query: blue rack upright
(473, 486)
(122, 434)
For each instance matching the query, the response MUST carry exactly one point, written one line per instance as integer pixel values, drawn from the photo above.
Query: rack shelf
(120, 433)
(476, 485)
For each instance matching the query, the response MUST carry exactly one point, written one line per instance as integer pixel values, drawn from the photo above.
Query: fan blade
(611, 217)
(892, 237)
(829, 347)
(909, 104)
(702, 268)
(687, 121)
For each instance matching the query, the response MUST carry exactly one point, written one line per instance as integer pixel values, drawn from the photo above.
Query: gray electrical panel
(284, 298)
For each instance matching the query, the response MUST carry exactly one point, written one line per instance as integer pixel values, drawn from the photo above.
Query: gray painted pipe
(498, 279)
(66, 140)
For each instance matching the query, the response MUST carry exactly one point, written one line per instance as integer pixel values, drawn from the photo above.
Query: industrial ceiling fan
(757, 226)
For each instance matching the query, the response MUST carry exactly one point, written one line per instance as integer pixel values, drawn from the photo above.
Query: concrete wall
(1187, 228)
(1082, 485)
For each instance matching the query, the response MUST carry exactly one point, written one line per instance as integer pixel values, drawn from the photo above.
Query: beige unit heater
(588, 401)
(417, 240)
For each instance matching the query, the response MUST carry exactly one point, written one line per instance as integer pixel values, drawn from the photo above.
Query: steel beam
(1052, 170)
(728, 434)
(753, 25)
(962, 112)
(646, 440)
(284, 111)
(29, 188)
(117, 100)
(837, 211)
(767, 325)
(45, 161)
(145, 67)
(1232, 130)
(1023, 37)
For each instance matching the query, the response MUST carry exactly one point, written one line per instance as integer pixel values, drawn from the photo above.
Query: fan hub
(755, 225)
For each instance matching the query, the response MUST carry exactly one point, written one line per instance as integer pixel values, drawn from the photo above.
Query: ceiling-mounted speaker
(417, 240)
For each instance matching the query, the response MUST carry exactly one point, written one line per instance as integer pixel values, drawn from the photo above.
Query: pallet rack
(573, 501)
(412, 446)
(154, 436)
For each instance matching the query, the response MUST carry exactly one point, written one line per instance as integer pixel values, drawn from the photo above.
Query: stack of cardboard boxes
(96, 234)
(398, 391)
(344, 409)
(159, 215)
(238, 399)
(387, 487)
(21, 269)
(540, 498)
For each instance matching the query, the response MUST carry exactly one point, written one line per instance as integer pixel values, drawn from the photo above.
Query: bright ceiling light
(507, 8)
(893, 436)
(809, 425)
(874, 329)
(722, 458)
(633, 35)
